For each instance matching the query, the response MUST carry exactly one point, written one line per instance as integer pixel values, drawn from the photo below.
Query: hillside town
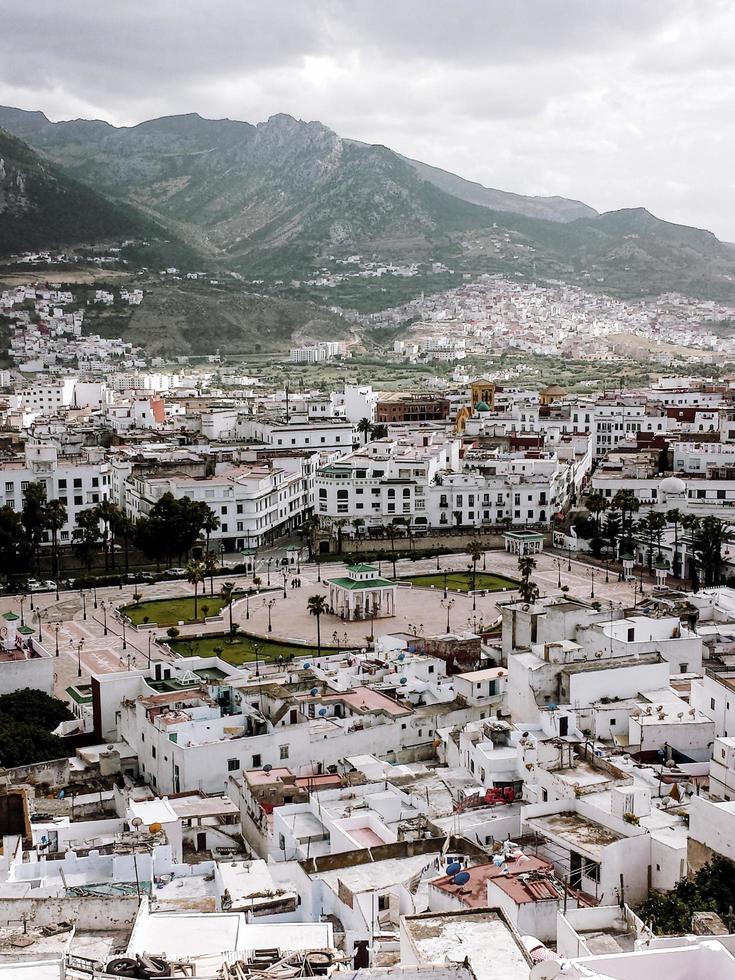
(309, 683)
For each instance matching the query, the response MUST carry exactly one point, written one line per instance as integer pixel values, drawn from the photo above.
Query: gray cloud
(617, 102)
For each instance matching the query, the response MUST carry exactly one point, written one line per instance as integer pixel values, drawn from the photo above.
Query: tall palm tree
(211, 564)
(379, 431)
(528, 589)
(339, 525)
(628, 504)
(596, 504)
(55, 520)
(358, 524)
(474, 550)
(674, 517)
(226, 595)
(123, 527)
(364, 427)
(195, 576)
(317, 606)
(690, 523)
(210, 523)
(106, 511)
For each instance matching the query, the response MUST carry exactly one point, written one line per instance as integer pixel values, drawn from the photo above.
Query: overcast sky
(620, 103)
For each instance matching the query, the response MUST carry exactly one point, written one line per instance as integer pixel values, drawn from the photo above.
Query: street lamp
(558, 561)
(269, 604)
(103, 604)
(285, 576)
(39, 620)
(269, 570)
(124, 634)
(22, 600)
(437, 561)
(94, 590)
(57, 586)
(150, 637)
(80, 647)
(32, 606)
(569, 559)
(57, 627)
(591, 576)
(256, 650)
(447, 571)
(83, 594)
(447, 604)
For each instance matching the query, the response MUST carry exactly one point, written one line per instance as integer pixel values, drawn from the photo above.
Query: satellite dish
(322, 712)
(136, 822)
(404, 680)
(545, 970)
(154, 828)
(267, 767)
(401, 656)
(462, 878)
(306, 666)
(314, 691)
(454, 868)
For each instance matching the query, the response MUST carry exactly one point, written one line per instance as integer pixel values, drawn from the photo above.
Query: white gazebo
(523, 542)
(362, 594)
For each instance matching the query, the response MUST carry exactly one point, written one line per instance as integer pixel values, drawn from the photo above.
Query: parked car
(144, 577)
(175, 572)
(35, 586)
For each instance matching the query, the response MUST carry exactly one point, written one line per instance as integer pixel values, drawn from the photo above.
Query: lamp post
(269, 570)
(57, 627)
(94, 591)
(447, 571)
(318, 569)
(256, 650)
(447, 604)
(557, 562)
(591, 576)
(80, 647)
(269, 604)
(83, 594)
(640, 585)
(569, 559)
(57, 587)
(103, 604)
(22, 600)
(150, 637)
(31, 596)
(124, 634)
(285, 576)
(39, 620)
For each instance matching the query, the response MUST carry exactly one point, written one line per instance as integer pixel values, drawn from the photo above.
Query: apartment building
(255, 502)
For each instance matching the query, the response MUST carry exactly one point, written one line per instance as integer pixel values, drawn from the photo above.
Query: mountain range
(278, 199)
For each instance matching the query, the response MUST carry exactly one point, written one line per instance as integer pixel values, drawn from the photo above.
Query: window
(233, 765)
(712, 704)
(591, 870)
(153, 751)
(383, 901)
(77, 483)
(257, 761)
(283, 752)
(78, 500)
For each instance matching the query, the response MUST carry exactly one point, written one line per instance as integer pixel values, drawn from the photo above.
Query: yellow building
(483, 391)
(551, 393)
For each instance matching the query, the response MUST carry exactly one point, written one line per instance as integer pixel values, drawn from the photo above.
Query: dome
(482, 407)
(672, 486)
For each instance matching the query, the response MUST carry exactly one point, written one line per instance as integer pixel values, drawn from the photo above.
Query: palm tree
(597, 504)
(358, 525)
(106, 511)
(317, 606)
(364, 427)
(709, 539)
(195, 576)
(628, 504)
(674, 517)
(379, 431)
(474, 549)
(226, 595)
(529, 590)
(210, 523)
(211, 564)
(339, 525)
(55, 520)
(308, 529)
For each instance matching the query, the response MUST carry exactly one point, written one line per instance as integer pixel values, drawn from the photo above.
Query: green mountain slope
(40, 207)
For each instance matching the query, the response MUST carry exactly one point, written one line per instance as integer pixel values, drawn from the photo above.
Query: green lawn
(242, 650)
(462, 581)
(170, 612)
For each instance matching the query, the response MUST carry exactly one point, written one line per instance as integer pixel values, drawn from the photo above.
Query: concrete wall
(37, 673)
(86, 913)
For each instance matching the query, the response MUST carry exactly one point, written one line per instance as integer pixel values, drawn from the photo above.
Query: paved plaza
(83, 643)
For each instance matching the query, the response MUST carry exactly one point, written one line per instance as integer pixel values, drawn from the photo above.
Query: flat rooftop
(484, 938)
